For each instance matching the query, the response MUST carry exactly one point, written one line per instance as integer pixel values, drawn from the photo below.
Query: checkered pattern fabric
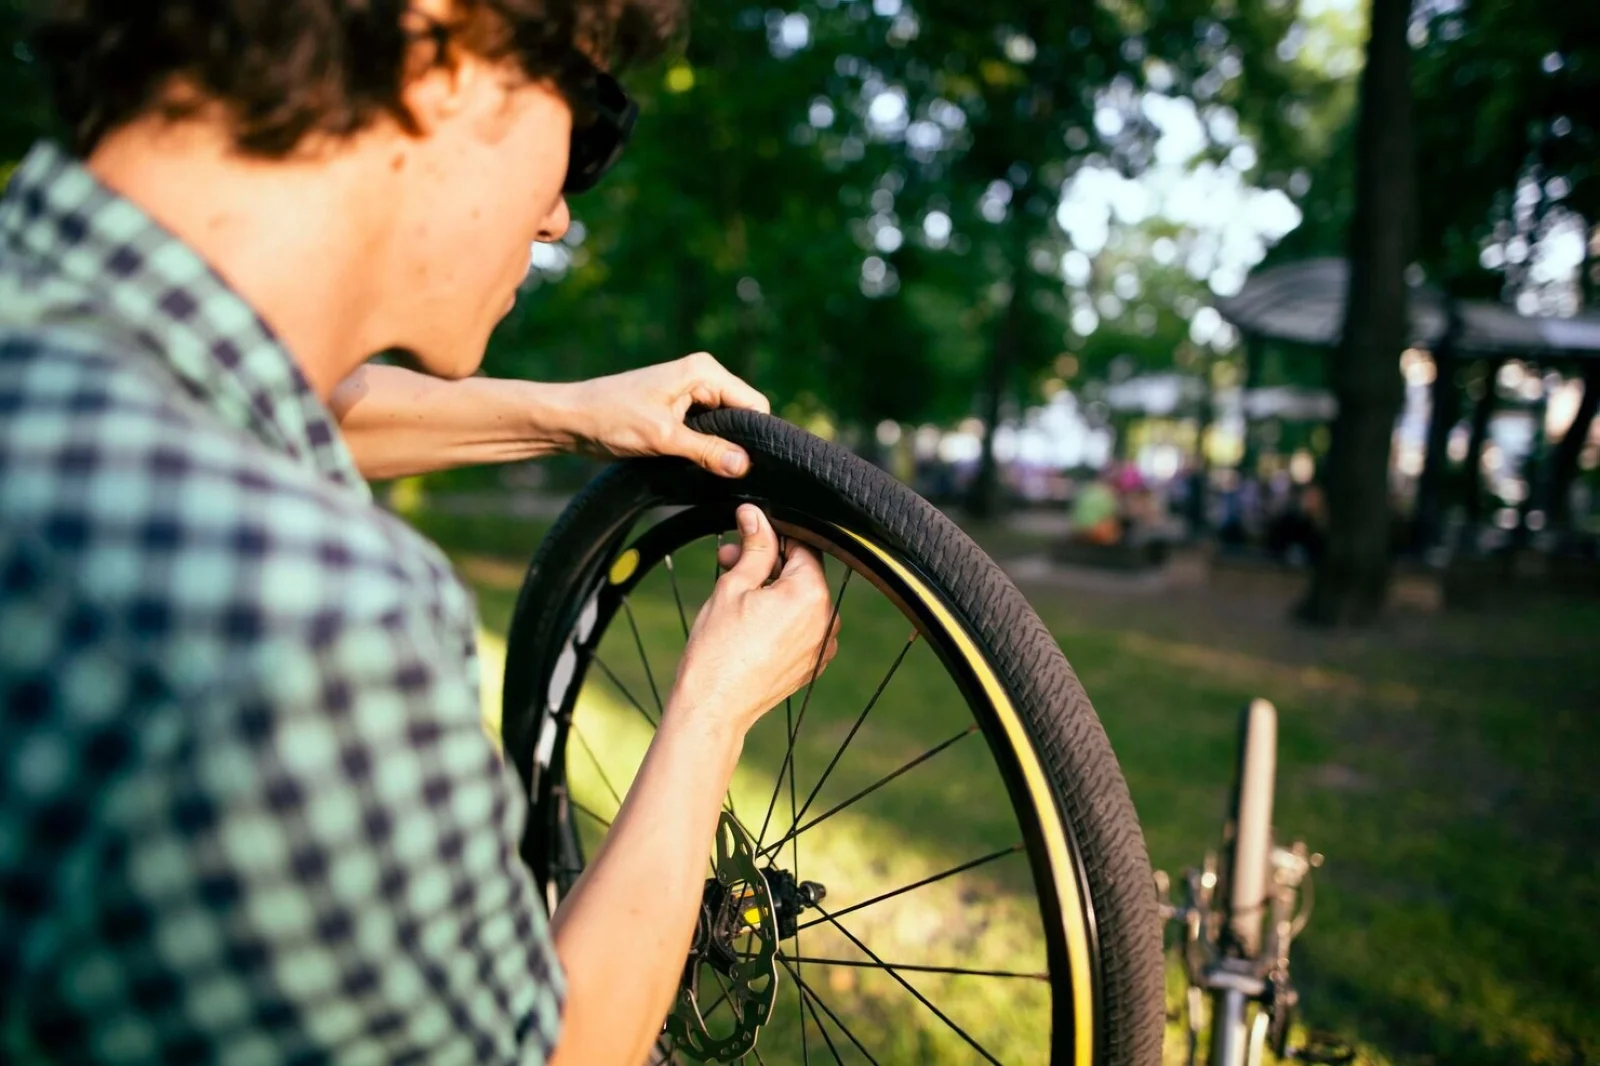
(247, 810)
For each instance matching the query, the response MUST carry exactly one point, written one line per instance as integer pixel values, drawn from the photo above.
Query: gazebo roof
(1303, 302)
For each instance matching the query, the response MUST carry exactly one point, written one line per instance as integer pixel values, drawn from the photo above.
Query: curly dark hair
(285, 69)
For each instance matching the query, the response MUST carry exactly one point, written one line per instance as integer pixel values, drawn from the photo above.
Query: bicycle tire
(1097, 851)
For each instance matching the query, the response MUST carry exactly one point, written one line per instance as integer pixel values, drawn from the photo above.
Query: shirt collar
(145, 280)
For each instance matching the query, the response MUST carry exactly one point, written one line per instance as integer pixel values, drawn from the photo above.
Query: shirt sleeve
(318, 862)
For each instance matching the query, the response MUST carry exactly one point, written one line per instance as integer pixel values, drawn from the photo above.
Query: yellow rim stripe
(1055, 836)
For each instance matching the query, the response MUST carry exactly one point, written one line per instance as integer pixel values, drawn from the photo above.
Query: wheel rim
(580, 774)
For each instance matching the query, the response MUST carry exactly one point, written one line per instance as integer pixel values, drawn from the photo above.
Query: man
(246, 809)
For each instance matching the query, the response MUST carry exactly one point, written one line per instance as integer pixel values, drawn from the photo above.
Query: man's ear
(465, 87)
(438, 87)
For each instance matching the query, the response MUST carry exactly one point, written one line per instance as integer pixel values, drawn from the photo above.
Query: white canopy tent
(1303, 302)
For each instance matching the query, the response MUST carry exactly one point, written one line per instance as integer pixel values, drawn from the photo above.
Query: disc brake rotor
(737, 941)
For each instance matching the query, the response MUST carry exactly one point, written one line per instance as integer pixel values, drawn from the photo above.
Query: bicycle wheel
(922, 896)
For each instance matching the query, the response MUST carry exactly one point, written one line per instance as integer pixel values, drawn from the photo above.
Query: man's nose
(556, 223)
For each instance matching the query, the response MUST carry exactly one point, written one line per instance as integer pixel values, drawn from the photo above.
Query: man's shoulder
(157, 502)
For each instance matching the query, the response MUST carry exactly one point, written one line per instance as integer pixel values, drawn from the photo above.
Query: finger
(715, 386)
(712, 453)
(728, 556)
(758, 544)
(802, 564)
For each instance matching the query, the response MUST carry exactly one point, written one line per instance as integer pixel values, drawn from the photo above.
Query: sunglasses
(602, 120)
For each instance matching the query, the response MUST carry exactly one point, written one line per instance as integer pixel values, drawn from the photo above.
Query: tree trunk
(1250, 456)
(1564, 463)
(984, 497)
(1444, 410)
(1200, 477)
(1535, 475)
(1351, 582)
(1472, 469)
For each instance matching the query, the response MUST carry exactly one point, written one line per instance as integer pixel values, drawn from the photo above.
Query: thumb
(758, 547)
(713, 453)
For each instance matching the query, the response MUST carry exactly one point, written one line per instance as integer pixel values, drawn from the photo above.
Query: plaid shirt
(247, 809)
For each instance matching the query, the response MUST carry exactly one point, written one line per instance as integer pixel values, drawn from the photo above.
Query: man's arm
(399, 423)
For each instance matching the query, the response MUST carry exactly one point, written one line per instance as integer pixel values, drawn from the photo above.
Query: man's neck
(302, 241)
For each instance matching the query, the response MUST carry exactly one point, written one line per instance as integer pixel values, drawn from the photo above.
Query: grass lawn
(1445, 764)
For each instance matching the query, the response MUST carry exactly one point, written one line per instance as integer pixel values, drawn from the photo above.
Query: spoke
(817, 1021)
(817, 1000)
(724, 998)
(911, 968)
(581, 809)
(726, 993)
(672, 575)
(816, 668)
(1012, 850)
(720, 1000)
(836, 808)
(638, 642)
(600, 769)
(920, 998)
(794, 771)
(615, 680)
(806, 806)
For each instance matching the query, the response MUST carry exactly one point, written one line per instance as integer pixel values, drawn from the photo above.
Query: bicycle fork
(1241, 916)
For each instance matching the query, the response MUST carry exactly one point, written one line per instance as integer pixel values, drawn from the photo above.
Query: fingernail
(748, 522)
(734, 463)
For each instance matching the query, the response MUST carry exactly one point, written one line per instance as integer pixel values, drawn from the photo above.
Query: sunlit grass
(1439, 766)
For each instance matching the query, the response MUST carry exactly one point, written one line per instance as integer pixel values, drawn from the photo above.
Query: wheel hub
(790, 898)
(744, 912)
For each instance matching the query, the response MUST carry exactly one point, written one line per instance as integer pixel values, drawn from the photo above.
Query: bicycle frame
(1240, 918)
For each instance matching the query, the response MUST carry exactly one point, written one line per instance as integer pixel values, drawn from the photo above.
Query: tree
(1351, 581)
(1526, 177)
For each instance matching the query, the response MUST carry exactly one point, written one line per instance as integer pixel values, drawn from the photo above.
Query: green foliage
(1505, 91)
(767, 213)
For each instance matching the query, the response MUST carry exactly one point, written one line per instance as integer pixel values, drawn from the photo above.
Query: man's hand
(758, 638)
(641, 412)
